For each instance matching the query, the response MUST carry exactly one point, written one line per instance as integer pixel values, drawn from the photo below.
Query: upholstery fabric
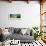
(23, 31)
(22, 38)
(17, 35)
(17, 30)
(11, 30)
(0, 31)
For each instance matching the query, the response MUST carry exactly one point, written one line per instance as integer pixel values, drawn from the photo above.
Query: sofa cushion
(22, 38)
(24, 30)
(0, 31)
(17, 30)
(11, 30)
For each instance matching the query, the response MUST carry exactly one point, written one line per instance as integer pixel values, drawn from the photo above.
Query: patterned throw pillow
(11, 30)
(17, 30)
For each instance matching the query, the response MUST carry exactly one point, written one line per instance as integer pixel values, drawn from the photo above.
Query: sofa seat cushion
(21, 37)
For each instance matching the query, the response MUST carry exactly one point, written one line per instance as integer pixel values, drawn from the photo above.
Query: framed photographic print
(15, 16)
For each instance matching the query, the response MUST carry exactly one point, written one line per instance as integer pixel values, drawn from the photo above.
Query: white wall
(30, 14)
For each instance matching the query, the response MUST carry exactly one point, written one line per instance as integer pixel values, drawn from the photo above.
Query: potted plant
(35, 34)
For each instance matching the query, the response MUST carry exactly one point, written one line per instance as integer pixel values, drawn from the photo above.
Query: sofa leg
(21, 44)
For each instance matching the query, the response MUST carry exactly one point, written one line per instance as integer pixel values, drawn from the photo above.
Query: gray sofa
(15, 33)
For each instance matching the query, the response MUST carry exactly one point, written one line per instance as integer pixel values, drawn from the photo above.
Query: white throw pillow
(23, 31)
(5, 32)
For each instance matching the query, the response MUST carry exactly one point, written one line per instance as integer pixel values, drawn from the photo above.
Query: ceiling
(23, 0)
(20, 0)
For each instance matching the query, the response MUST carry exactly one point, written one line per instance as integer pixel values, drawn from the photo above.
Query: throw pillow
(17, 30)
(23, 31)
